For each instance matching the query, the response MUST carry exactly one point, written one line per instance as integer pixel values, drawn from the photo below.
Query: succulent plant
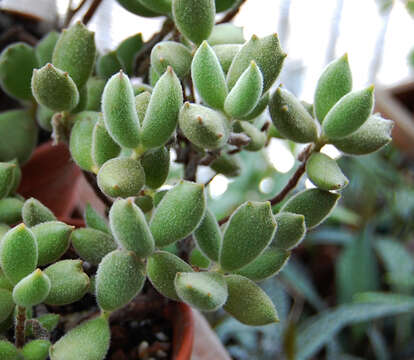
(122, 133)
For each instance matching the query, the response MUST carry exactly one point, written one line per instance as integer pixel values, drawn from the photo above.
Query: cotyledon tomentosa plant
(122, 131)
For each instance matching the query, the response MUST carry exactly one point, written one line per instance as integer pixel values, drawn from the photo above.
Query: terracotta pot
(52, 177)
(182, 318)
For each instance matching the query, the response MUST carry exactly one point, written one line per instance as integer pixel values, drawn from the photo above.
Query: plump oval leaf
(92, 245)
(118, 107)
(75, 53)
(121, 177)
(208, 236)
(245, 94)
(290, 117)
(120, 276)
(268, 264)
(204, 127)
(162, 267)
(325, 173)
(32, 289)
(291, 230)
(68, 282)
(208, 76)
(18, 253)
(203, 290)
(334, 83)
(88, 341)
(52, 240)
(314, 204)
(248, 303)
(179, 213)
(194, 19)
(249, 231)
(349, 113)
(162, 113)
(130, 228)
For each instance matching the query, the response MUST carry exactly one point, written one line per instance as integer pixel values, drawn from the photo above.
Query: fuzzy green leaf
(208, 76)
(6, 178)
(245, 94)
(290, 117)
(349, 113)
(228, 165)
(52, 240)
(204, 127)
(314, 204)
(268, 264)
(10, 210)
(18, 253)
(158, 6)
(334, 83)
(130, 228)
(92, 245)
(179, 213)
(195, 20)
(88, 341)
(54, 88)
(267, 54)
(197, 258)
(6, 304)
(80, 143)
(135, 7)
(75, 52)
(202, 290)
(174, 54)
(162, 267)
(118, 106)
(108, 65)
(226, 34)
(257, 137)
(21, 138)
(104, 147)
(34, 212)
(371, 136)
(162, 114)
(249, 231)
(17, 62)
(120, 277)
(121, 177)
(8, 351)
(291, 230)
(156, 164)
(208, 236)
(141, 104)
(44, 48)
(225, 54)
(36, 350)
(325, 173)
(95, 220)
(127, 50)
(248, 303)
(68, 282)
(32, 289)
(94, 88)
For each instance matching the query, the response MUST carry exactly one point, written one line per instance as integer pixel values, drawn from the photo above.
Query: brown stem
(72, 12)
(91, 11)
(167, 27)
(231, 14)
(20, 326)
(238, 139)
(91, 179)
(293, 181)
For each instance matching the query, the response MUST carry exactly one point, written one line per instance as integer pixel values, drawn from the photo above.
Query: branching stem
(20, 326)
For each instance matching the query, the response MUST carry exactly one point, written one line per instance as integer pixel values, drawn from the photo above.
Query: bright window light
(280, 156)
